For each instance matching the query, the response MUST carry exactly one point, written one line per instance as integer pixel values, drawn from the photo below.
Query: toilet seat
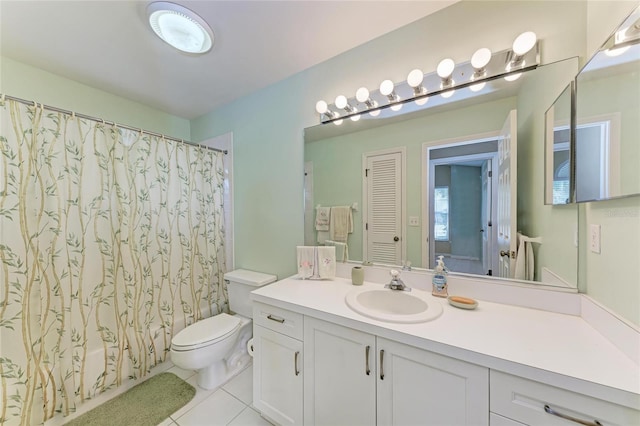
(205, 332)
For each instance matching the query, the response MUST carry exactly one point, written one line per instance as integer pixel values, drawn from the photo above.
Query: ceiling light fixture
(180, 27)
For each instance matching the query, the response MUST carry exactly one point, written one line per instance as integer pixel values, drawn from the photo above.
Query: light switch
(414, 221)
(594, 238)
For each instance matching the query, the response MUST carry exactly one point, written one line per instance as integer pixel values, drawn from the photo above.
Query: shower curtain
(110, 242)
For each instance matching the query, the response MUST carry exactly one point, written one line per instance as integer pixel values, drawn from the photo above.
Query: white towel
(322, 218)
(327, 262)
(342, 250)
(525, 261)
(341, 223)
(306, 261)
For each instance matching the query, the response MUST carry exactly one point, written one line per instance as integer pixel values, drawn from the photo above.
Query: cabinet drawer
(277, 319)
(535, 403)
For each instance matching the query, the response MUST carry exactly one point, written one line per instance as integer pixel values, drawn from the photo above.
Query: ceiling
(109, 44)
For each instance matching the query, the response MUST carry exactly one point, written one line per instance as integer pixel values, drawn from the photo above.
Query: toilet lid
(206, 331)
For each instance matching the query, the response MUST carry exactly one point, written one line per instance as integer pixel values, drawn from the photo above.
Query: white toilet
(217, 346)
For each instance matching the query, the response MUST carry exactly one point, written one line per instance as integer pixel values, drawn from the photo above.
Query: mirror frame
(549, 146)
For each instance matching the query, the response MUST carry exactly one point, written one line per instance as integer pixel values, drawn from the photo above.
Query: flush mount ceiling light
(180, 27)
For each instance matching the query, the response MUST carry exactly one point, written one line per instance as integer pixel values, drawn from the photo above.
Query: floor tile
(249, 417)
(182, 373)
(201, 394)
(218, 409)
(241, 386)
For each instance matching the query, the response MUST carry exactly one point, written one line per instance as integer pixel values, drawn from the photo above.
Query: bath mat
(148, 403)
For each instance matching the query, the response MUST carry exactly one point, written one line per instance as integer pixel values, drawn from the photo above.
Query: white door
(507, 202)
(383, 228)
(277, 376)
(485, 218)
(340, 382)
(417, 387)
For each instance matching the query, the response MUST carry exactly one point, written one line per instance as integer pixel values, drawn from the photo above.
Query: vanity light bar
(474, 74)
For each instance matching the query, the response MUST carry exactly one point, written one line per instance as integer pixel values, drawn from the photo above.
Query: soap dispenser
(440, 279)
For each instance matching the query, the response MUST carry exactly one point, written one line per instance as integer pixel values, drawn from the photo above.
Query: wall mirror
(607, 125)
(428, 164)
(558, 182)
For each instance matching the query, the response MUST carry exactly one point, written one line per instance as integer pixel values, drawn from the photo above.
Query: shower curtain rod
(111, 123)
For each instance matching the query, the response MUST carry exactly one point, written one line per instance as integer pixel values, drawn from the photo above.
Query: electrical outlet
(414, 221)
(594, 239)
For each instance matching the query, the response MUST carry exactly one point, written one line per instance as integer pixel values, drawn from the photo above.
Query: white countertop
(558, 349)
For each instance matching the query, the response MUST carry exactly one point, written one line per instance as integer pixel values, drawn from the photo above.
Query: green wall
(466, 202)
(33, 84)
(268, 125)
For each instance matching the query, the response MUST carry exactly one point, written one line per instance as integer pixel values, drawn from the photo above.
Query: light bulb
(477, 87)
(386, 87)
(338, 122)
(422, 101)
(396, 107)
(341, 101)
(616, 52)
(513, 77)
(480, 58)
(375, 113)
(355, 117)
(362, 94)
(321, 107)
(415, 77)
(445, 68)
(524, 43)
(447, 94)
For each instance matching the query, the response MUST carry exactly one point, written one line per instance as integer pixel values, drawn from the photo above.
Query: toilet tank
(240, 283)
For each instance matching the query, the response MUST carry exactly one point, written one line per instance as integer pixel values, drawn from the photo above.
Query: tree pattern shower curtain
(106, 250)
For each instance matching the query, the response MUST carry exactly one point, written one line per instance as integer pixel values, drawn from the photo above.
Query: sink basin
(393, 305)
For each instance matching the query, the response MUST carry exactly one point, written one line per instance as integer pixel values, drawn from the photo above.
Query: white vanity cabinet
(340, 377)
(277, 364)
(420, 387)
(534, 403)
(356, 378)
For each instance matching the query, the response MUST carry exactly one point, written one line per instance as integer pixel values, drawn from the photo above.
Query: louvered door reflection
(384, 208)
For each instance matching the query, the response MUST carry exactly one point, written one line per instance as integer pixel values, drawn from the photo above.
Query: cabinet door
(277, 376)
(339, 366)
(420, 387)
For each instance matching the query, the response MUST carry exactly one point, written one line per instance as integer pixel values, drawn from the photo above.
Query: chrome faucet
(396, 283)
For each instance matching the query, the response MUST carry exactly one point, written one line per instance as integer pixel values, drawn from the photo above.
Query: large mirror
(607, 118)
(559, 182)
(434, 183)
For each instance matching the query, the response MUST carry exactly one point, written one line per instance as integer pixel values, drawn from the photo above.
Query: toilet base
(218, 374)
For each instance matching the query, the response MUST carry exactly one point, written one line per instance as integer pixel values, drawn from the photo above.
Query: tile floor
(231, 404)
